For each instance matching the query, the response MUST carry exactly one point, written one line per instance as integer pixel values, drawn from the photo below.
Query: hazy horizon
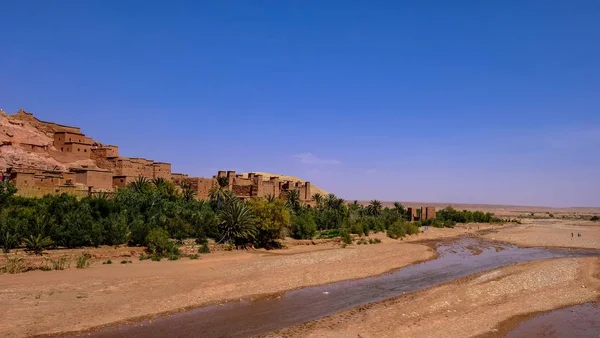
(482, 104)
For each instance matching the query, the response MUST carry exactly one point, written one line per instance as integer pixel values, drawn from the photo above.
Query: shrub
(412, 228)
(108, 262)
(204, 249)
(37, 244)
(346, 237)
(14, 264)
(61, 263)
(125, 261)
(357, 228)
(160, 244)
(143, 256)
(155, 258)
(9, 237)
(328, 234)
(397, 230)
(194, 256)
(362, 241)
(173, 257)
(595, 218)
(84, 260)
(304, 226)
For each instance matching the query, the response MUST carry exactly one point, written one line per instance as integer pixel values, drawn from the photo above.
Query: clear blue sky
(463, 101)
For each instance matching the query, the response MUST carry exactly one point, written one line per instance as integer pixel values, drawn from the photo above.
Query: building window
(78, 149)
(61, 148)
(85, 150)
(69, 139)
(121, 181)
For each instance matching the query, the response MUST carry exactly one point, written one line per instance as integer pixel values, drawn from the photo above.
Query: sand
(551, 233)
(489, 303)
(41, 302)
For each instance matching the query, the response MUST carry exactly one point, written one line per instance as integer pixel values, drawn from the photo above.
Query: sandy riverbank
(40, 302)
(549, 233)
(486, 304)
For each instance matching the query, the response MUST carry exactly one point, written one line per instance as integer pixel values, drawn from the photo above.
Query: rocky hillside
(24, 143)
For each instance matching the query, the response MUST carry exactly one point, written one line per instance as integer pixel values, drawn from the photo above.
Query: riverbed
(457, 258)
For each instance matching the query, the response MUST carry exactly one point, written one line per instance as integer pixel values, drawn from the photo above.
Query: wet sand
(480, 305)
(458, 258)
(580, 321)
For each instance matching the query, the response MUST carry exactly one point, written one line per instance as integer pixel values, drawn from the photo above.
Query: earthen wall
(97, 180)
(162, 170)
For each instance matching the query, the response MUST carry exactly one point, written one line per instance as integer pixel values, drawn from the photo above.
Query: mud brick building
(417, 214)
(86, 165)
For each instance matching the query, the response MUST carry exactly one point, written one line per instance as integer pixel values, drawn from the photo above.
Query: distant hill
(266, 176)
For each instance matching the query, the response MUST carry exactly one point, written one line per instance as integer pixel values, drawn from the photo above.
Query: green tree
(318, 198)
(7, 189)
(187, 192)
(293, 201)
(270, 219)
(218, 194)
(303, 226)
(141, 185)
(374, 208)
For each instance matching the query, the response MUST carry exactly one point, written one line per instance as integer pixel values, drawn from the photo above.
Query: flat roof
(67, 132)
(78, 170)
(75, 142)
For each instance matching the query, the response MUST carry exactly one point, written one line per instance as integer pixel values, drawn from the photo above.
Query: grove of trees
(152, 212)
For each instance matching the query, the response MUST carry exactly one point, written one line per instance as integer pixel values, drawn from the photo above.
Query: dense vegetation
(153, 213)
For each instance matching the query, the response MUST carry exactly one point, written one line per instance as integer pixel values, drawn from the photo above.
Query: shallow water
(458, 258)
(575, 321)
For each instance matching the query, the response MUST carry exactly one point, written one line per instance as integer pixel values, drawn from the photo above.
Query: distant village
(90, 166)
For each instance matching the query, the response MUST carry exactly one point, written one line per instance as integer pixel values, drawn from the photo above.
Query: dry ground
(485, 304)
(551, 232)
(41, 302)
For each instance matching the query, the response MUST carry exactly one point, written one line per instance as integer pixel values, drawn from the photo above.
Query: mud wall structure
(94, 167)
(245, 187)
(416, 214)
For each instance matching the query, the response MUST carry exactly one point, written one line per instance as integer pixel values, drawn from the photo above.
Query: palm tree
(271, 198)
(355, 207)
(293, 200)
(318, 198)
(374, 208)
(165, 188)
(218, 193)
(37, 244)
(399, 208)
(187, 191)
(141, 185)
(222, 182)
(236, 223)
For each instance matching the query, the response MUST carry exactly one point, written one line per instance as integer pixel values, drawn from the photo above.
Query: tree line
(152, 213)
